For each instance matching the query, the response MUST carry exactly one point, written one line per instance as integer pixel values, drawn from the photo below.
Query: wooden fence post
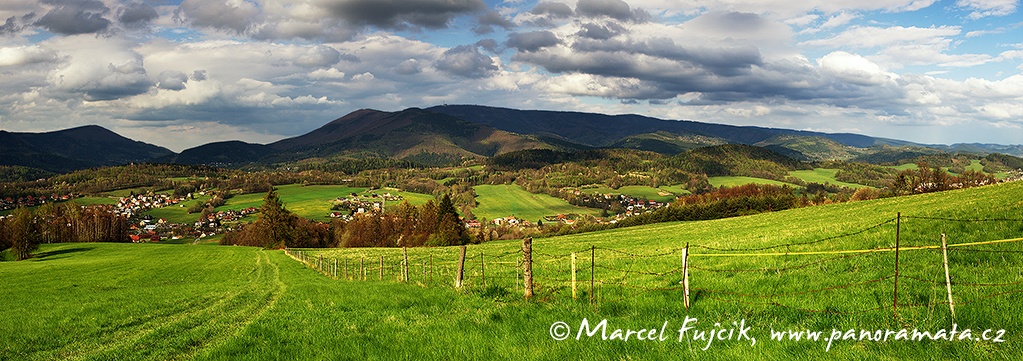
(346, 268)
(895, 289)
(527, 267)
(948, 278)
(404, 265)
(483, 270)
(319, 263)
(461, 268)
(335, 268)
(381, 268)
(431, 268)
(593, 263)
(362, 268)
(685, 275)
(575, 293)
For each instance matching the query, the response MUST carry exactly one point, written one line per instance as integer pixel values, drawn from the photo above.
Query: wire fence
(813, 276)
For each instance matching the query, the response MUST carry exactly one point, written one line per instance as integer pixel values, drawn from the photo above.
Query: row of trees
(432, 224)
(24, 229)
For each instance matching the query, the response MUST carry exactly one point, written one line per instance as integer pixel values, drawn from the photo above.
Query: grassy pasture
(662, 194)
(823, 175)
(511, 200)
(124, 301)
(734, 181)
(314, 201)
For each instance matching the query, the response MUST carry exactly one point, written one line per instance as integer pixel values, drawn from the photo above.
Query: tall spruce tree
(276, 225)
(450, 229)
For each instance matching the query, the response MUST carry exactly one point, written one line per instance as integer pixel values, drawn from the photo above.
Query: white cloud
(985, 8)
(24, 55)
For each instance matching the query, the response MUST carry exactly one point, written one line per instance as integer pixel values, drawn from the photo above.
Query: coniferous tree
(275, 226)
(450, 228)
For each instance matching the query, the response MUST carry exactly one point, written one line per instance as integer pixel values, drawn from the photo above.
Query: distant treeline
(24, 229)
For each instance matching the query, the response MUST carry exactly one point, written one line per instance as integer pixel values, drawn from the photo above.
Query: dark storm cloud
(557, 10)
(601, 32)
(10, 26)
(403, 14)
(490, 45)
(532, 41)
(489, 20)
(218, 14)
(172, 80)
(136, 14)
(75, 17)
(547, 14)
(466, 61)
(616, 9)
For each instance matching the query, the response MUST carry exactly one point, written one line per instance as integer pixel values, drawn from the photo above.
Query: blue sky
(184, 73)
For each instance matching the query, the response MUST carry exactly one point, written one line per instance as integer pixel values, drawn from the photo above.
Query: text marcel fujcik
(739, 331)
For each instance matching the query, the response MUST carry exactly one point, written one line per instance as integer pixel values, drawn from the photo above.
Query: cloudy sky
(183, 73)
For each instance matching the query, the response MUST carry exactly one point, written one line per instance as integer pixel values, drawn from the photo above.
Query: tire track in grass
(183, 335)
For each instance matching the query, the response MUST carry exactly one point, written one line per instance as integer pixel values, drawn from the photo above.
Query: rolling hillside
(72, 149)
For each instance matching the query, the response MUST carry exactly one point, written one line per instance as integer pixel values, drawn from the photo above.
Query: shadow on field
(43, 256)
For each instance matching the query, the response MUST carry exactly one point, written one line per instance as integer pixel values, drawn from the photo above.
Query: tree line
(25, 229)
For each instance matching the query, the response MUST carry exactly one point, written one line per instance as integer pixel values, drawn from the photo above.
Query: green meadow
(821, 269)
(497, 201)
(734, 181)
(822, 176)
(314, 201)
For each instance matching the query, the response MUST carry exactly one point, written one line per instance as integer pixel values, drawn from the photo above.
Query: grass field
(125, 301)
(178, 213)
(823, 175)
(314, 201)
(511, 200)
(733, 181)
(662, 194)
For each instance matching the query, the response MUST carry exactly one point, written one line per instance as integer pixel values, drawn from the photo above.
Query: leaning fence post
(574, 288)
(948, 278)
(527, 267)
(461, 268)
(685, 275)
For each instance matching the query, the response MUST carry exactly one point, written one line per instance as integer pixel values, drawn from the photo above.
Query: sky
(184, 73)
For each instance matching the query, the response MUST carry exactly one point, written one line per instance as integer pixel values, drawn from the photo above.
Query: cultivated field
(511, 200)
(827, 269)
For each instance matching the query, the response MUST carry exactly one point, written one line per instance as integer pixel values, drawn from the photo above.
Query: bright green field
(178, 213)
(733, 181)
(313, 201)
(511, 200)
(823, 175)
(662, 194)
(146, 301)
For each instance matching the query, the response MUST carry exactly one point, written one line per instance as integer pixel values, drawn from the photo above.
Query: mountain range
(449, 133)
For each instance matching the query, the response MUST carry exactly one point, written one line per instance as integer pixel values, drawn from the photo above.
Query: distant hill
(226, 154)
(738, 160)
(666, 142)
(604, 130)
(75, 148)
(408, 134)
